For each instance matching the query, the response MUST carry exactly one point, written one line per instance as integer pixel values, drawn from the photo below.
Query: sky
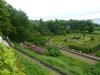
(58, 9)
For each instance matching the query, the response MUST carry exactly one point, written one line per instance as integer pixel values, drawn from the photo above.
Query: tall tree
(20, 22)
(5, 24)
(43, 28)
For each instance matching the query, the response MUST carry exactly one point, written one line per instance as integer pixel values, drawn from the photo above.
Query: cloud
(61, 9)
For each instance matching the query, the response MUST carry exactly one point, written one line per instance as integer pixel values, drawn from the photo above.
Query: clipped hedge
(77, 48)
(84, 49)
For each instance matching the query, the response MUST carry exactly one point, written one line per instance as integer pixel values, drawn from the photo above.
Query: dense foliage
(8, 65)
(5, 25)
(64, 26)
(19, 20)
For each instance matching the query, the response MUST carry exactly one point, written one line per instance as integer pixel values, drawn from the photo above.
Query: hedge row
(85, 50)
(77, 48)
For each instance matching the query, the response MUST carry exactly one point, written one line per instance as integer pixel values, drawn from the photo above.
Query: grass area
(84, 43)
(66, 64)
(97, 53)
(32, 68)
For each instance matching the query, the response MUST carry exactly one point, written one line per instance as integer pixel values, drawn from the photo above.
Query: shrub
(52, 51)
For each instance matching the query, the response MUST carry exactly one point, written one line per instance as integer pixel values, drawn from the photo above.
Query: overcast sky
(60, 9)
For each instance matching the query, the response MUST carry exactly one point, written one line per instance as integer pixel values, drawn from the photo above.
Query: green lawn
(64, 63)
(32, 68)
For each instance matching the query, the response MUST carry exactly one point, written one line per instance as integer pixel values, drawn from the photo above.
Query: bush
(53, 51)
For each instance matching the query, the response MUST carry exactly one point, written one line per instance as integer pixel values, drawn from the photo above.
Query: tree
(90, 26)
(51, 26)
(43, 28)
(20, 22)
(5, 24)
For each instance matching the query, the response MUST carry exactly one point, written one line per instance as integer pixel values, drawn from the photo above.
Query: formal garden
(25, 41)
